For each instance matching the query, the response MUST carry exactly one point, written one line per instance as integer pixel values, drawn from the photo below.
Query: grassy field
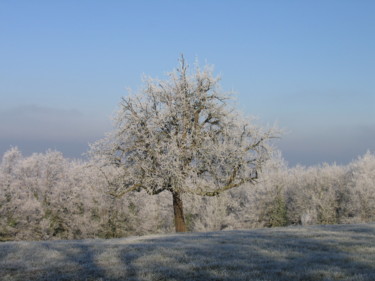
(340, 252)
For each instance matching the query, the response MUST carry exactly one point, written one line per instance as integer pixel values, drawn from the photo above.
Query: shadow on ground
(344, 252)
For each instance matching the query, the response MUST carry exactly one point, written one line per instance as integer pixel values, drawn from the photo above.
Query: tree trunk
(178, 208)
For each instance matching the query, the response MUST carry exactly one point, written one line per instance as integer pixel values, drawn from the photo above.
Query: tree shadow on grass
(52, 260)
(314, 253)
(242, 255)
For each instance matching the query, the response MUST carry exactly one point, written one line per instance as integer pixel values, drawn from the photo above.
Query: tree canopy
(182, 135)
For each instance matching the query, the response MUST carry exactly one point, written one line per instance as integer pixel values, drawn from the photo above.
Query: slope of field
(340, 252)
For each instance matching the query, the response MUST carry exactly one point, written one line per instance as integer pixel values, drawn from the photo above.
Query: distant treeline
(46, 196)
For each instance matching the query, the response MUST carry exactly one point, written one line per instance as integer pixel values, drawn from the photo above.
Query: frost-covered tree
(269, 194)
(181, 135)
(362, 186)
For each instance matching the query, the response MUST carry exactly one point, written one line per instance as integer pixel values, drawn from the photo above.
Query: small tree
(180, 135)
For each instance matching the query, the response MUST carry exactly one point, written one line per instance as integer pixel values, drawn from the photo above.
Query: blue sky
(307, 65)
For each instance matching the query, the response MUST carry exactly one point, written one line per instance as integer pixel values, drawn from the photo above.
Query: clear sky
(307, 65)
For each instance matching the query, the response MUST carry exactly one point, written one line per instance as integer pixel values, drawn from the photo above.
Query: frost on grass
(344, 252)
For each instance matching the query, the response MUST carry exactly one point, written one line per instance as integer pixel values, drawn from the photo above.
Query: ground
(339, 252)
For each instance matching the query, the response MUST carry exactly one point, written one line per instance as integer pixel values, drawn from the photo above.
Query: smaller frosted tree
(180, 135)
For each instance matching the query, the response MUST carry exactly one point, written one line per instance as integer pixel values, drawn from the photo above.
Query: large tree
(181, 135)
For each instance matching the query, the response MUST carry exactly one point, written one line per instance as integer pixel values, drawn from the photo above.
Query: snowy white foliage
(46, 196)
(362, 186)
(181, 135)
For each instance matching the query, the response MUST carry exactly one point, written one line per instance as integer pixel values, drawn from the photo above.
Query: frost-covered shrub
(271, 193)
(316, 195)
(275, 210)
(46, 196)
(361, 183)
